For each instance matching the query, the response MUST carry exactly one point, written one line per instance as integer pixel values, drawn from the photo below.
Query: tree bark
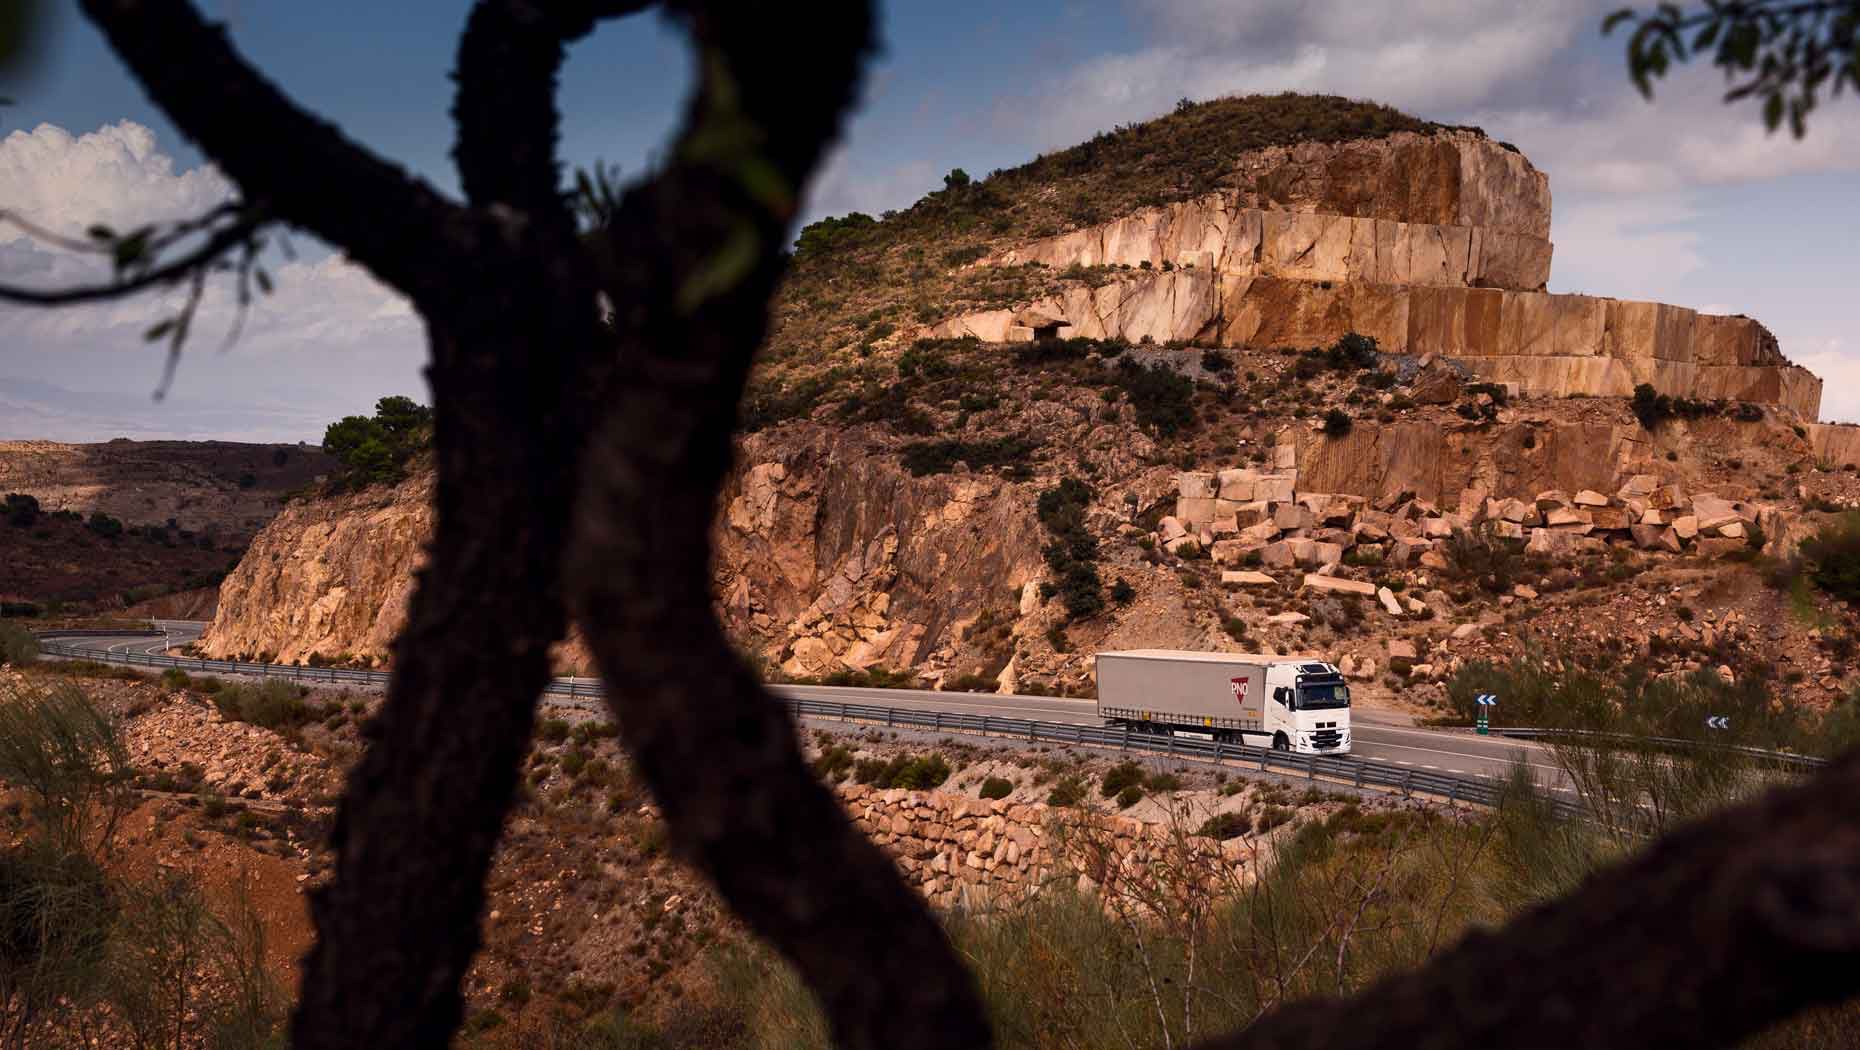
(414, 838)
(718, 750)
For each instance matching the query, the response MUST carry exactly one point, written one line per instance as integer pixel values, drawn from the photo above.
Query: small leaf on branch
(156, 331)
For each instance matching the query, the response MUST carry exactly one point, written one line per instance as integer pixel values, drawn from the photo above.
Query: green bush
(1831, 558)
(1162, 783)
(940, 456)
(1271, 817)
(22, 511)
(1163, 400)
(912, 772)
(1122, 592)
(1225, 826)
(17, 645)
(1337, 423)
(1492, 562)
(997, 787)
(1119, 777)
(553, 730)
(834, 763)
(1129, 797)
(104, 525)
(272, 704)
(1067, 791)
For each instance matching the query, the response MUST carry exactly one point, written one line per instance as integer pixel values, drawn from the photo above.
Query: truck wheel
(1280, 742)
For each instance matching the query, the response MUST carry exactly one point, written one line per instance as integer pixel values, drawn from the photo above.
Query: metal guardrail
(1330, 769)
(1781, 758)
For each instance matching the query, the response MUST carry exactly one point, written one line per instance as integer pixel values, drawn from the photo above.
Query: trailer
(1292, 703)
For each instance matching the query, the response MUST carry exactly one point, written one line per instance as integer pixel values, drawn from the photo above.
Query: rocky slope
(885, 513)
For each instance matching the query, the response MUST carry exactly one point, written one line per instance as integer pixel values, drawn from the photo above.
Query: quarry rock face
(328, 578)
(1430, 244)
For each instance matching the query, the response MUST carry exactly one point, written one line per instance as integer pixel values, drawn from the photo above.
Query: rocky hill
(122, 522)
(1021, 421)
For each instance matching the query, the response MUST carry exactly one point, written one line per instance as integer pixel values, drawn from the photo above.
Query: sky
(1682, 200)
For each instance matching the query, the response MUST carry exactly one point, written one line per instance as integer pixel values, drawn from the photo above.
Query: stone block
(1276, 488)
(1170, 527)
(1567, 516)
(1260, 532)
(1195, 510)
(1277, 555)
(1611, 518)
(1235, 486)
(1655, 538)
(1719, 546)
(1284, 455)
(1195, 485)
(1686, 526)
(1388, 600)
(1247, 578)
(1590, 498)
(1289, 516)
(1640, 486)
(1340, 585)
(1436, 528)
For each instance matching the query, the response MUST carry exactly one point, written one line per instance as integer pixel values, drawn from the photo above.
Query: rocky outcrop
(1429, 244)
(1550, 345)
(830, 557)
(327, 579)
(1448, 178)
(1219, 233)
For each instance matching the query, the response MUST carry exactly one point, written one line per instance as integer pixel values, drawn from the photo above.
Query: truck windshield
(1319, 697)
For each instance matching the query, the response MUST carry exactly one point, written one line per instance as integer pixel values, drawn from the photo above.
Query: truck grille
(1326, 738)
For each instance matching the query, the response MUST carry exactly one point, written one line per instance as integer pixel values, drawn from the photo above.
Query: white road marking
(1403, 762)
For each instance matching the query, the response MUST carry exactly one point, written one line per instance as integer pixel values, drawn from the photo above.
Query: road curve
(1377, 739)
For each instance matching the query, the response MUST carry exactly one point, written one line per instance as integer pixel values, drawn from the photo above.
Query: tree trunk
(420, 820)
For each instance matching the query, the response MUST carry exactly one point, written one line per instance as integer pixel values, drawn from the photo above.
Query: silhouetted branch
(277, 151)
(509, 56)
(692, 261)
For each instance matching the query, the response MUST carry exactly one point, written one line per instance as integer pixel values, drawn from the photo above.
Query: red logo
(1238, 685)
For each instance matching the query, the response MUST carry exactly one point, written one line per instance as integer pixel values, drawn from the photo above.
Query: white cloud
(1432, 56)
(327, 340)
(1686, 137)
(1626, 247)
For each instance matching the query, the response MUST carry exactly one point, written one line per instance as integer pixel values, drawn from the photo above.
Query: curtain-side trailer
(1291, 703)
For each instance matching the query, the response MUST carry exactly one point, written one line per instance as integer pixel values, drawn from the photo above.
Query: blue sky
(1683, 201)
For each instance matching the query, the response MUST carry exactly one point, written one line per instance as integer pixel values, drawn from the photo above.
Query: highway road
(1379, 736)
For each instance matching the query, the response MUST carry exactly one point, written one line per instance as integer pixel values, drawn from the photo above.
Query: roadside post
(1486, 702)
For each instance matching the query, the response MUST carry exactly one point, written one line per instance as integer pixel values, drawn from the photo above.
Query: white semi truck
(1291, 703)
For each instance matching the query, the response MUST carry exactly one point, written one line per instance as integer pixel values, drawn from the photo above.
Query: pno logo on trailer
(1238, 685)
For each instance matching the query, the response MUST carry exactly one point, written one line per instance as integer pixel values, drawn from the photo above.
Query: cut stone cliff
(1430, 244)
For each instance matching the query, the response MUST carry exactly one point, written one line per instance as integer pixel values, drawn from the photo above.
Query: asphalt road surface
(1379, 737)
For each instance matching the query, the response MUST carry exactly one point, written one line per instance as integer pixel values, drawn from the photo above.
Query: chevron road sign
(1487, 699)
(1486, 702)
(1717, 722)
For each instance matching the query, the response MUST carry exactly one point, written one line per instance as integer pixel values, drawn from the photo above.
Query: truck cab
(1307, 708)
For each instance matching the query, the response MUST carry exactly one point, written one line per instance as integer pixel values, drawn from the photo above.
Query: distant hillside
(109, 524)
